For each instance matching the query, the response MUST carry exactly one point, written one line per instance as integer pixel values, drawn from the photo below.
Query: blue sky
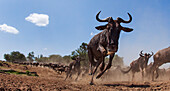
(68, 23)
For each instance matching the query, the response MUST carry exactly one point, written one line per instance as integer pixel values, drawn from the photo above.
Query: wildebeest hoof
(91, 83)
(97, 77)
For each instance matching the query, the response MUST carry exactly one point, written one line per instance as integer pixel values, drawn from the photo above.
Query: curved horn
(141, 54)
(97, 18)
(123, 21)
(151, 54)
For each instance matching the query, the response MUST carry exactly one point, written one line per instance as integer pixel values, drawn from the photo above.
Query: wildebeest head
(146, 56)
(113, 29)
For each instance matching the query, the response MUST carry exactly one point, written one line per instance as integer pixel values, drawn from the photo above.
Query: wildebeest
(61, 69)
(139, 64)
(105, 43)
(35, 64)
(74, 67)
(161, 57)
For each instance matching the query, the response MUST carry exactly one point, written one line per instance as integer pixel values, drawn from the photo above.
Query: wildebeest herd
(59, 68)
(105, 44)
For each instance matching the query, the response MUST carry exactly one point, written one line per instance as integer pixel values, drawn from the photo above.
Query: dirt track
(49, 80)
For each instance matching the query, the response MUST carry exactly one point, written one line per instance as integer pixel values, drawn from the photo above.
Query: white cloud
(38, 19)
(8, 29)
(91, 33)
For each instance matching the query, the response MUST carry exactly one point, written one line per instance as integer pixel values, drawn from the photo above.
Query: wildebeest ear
(127, 29)
(102, 27)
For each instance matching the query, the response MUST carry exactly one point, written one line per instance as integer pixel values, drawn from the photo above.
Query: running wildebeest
(74, 67)
(105, 43)
(161, 57)
(139, 64)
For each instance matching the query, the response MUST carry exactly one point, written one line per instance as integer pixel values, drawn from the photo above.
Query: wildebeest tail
(126, 71)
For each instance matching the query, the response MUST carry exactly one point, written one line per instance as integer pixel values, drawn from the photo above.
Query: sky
(60, 26)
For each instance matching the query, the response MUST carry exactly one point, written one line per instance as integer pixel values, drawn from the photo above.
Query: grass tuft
(19, 73)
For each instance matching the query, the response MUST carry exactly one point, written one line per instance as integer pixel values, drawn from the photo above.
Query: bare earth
(49, 80)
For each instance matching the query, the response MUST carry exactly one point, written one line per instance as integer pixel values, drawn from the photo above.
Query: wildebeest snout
(112, 48)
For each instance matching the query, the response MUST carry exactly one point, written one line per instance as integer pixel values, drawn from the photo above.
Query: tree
(82, 52)
(43, 59)
(30, 56)
(55, 58)
(7, 57)
(67, 59)
(117, 60)
(15, 56)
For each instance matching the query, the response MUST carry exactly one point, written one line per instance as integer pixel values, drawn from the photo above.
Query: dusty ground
(49, 80)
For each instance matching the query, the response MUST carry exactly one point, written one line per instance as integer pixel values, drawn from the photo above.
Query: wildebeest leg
(68, 72)
(133, 75)
(108, 66)
(157, 75)
(66, 76)
(157, 68)
(153, 68)
(78, 73)
(91, 59)
(91, 69)
(142, 75)
(102, 66)
(95, 69)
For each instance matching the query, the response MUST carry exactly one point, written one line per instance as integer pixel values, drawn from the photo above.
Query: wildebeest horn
(123, 21)
(141, 54)
(104, 20)
(152, 54)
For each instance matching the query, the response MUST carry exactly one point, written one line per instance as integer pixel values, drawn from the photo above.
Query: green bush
(27, 72)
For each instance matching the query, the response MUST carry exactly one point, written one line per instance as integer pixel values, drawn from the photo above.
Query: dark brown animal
(139, 64)
(35, 64)
(161, 57)
(74, 67)
(46, 65)
(60, 70)
(105, 43)
(148, 69)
